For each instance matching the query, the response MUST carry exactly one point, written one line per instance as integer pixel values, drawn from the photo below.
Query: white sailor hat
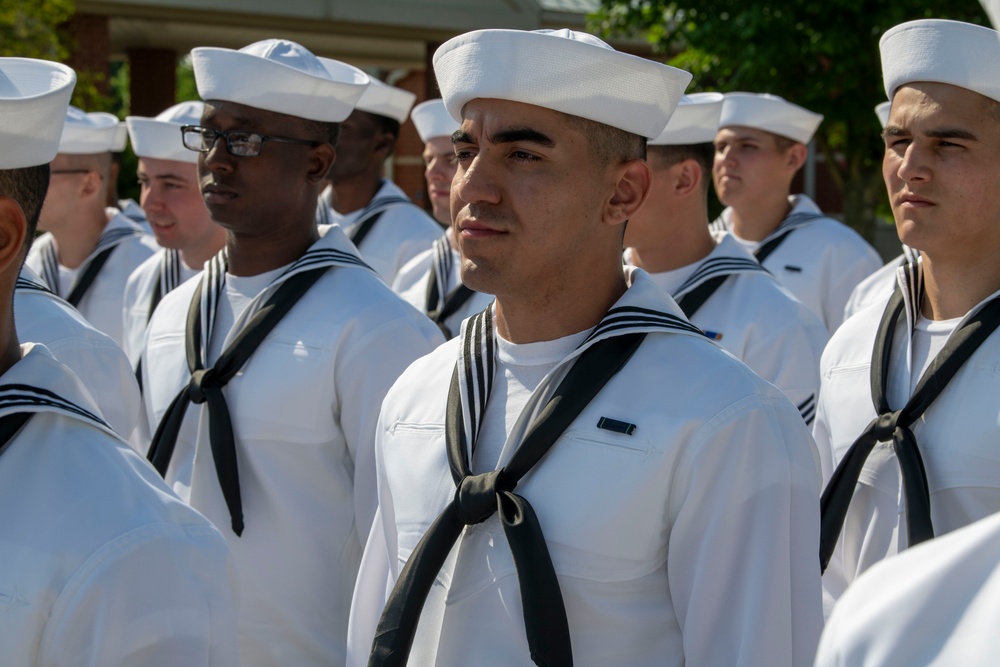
(278, 75)
(769, 113)
(882, 111)
(562, 70)
(939, 51)
(85, 133)
(160, 137)
(696, 121)
(34, 95)
(992, 8)
(385, 100)
(433, 120)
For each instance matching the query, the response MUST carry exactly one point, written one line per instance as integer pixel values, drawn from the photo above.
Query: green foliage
(185, 91)
(30, 28)
(822, 55)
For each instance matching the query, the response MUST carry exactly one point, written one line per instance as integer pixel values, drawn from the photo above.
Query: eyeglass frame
(224, 135)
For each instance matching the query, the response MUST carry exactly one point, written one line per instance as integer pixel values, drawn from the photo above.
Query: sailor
(169, 194)
(718, 284)
(100, 563)
(908, 403)
(89, 250)
(636, 465)
(379, 218)
(432, 281)
(760, 146)
(263, 376)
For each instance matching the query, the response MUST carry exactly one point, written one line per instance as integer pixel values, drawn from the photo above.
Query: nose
(475, 183)
(434, 171)
(150, 197)
(912, 166)
(724, 155)
(217, 159)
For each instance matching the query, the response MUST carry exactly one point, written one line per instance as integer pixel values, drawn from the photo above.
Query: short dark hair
(27, 186)
(783, 143)
(668, 156)
(316, 130)
(609, 144)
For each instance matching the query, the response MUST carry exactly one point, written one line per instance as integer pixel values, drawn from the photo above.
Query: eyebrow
(509, 136)
(940, 133)
(162, 177)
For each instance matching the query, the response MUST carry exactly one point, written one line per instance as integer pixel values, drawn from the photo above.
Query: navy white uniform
(718, 477)
(957, 436)
(819, 261)
(303, 411)
(100, 563)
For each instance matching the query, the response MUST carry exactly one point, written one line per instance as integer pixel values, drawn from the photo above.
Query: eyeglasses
(239, 143)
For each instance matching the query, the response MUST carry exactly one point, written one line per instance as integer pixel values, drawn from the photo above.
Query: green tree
(31, 28)
(820, 54)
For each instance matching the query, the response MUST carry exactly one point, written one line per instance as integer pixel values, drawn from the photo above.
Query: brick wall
(90, 49)
(408, 165)
(153, 80)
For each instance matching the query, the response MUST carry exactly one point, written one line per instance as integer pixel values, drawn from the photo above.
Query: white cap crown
(34, 96)
(278, 75)
(769, 113)
(696, 121)
(562, 70)
(86, 133)
(432, 120)
(385, 100)
(160, 137)
(939, 51)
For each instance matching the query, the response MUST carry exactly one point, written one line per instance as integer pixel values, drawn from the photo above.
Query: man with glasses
(90, 250)
(263, 377)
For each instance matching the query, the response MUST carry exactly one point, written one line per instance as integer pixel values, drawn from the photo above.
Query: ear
(13, 229)
(320, 163)
(688, 176)
(385, 144)
(91, 183)
(796, 156)
(631, 187)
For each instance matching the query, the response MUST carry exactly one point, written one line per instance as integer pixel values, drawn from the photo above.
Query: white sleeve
(159, 596)
(742, 563)
(363, 378)
(789, 359)
(370, 594)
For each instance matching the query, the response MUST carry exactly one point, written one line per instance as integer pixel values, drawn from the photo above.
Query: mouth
(160, 224)
(437, 193)
(913, 201)
(473, 229)
(214, 193)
